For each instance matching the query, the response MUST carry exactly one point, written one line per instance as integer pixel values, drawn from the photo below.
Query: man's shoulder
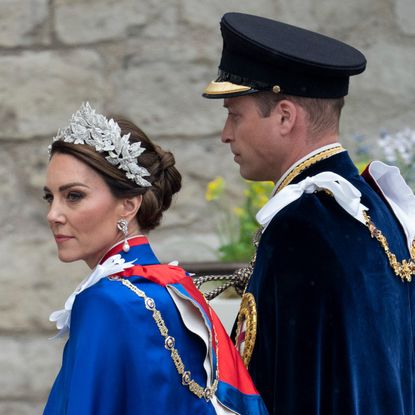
(313, 223)
(311, 210)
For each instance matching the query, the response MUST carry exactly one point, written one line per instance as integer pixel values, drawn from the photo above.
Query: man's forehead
(235, 101)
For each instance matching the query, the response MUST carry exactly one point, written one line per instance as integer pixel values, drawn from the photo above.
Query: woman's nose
(55, 214)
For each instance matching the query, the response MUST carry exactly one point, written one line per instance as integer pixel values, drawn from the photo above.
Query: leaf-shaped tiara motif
(95, 130)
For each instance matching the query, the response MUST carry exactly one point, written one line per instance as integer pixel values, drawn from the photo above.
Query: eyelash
(48, 197)
(72, 197)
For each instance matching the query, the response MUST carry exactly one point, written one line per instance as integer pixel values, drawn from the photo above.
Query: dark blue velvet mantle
(335, 324)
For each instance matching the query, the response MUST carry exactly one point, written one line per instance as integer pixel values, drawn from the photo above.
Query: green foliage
(238, 225)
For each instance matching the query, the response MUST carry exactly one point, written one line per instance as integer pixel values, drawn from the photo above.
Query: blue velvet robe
(115, 362)
(336, 326)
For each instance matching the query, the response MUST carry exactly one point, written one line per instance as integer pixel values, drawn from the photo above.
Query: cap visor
(226, 89)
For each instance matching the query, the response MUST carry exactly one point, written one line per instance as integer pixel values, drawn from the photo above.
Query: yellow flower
(215, 189)
(238, 211)
(259, 193)
(238, 227)
(260, 200)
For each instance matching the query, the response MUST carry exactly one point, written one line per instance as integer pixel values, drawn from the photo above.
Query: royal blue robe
(115, 362)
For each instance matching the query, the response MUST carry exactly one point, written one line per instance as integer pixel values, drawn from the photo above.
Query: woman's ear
(130, 206)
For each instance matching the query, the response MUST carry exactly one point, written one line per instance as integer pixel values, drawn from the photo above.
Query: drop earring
(122, 225)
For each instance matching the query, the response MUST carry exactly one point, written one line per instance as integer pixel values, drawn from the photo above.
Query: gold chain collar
(405, 270)
(169, 343)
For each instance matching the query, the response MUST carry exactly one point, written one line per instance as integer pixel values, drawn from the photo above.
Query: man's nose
(226, 135)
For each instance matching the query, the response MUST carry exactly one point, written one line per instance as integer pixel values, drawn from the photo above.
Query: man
(327, 321)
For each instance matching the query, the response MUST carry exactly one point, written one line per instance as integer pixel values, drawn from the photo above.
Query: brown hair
(165, 179)
(323, 114)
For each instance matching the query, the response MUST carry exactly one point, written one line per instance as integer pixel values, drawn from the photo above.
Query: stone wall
(148, 60)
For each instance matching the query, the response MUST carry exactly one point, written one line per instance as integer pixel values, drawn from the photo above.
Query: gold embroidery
(246, 328)
(405, 270)
(307, 163)
(169, 343)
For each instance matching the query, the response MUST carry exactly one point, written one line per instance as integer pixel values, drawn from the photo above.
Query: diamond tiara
(95, 130)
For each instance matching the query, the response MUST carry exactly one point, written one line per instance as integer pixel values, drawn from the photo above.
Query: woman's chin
(65, 257)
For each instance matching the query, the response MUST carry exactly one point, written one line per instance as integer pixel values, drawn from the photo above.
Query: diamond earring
(122, 225)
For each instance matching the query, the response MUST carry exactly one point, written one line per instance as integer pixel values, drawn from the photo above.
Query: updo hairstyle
(165, 179)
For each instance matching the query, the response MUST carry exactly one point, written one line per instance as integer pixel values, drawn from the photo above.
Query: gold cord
(309, 162)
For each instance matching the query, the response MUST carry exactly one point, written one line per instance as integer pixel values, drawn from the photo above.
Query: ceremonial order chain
(405, 270)
(169, 343)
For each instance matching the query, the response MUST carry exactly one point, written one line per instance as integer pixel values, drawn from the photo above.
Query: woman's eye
(74, 196)
(48, 197)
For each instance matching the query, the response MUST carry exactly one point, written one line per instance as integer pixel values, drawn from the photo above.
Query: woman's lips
(62, 238)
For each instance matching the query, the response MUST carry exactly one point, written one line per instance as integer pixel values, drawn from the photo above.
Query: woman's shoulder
(113, 294)
(111, 307)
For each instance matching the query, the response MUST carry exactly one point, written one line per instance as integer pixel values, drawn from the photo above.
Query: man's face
(254, 139)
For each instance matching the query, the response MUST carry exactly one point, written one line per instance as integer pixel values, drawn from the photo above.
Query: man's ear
(130, 206)
(286, 112)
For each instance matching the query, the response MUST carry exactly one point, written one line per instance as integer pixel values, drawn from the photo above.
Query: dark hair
(323, 114)
(165, 179)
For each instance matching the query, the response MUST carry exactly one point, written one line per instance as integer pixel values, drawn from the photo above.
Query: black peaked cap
(262, 54)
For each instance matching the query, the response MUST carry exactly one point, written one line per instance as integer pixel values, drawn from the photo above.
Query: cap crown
(261, 53)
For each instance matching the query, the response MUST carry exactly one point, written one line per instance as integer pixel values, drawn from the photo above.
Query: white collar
(110, 266)
(345, 194)
(398, 194)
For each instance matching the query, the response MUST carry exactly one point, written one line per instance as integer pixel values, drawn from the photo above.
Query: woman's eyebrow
(66, 186)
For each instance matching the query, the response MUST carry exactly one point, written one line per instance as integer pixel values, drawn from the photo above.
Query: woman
(142, 339)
